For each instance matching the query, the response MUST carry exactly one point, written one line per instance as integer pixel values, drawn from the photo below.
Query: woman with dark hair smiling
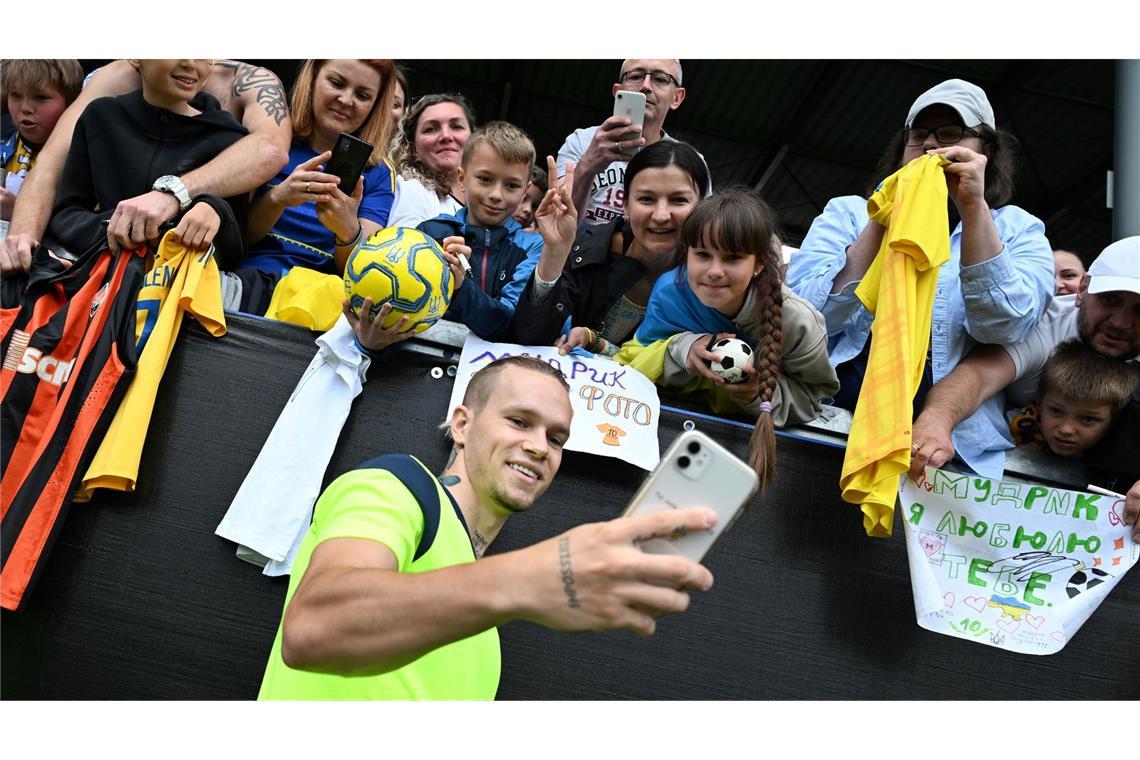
(992, 290)
(602, 282)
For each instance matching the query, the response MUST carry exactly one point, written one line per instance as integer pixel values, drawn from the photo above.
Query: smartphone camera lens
(682, 462)
(694, 447)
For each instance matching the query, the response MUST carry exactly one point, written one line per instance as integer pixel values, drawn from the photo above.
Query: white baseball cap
(1117, 267)
(967, 99)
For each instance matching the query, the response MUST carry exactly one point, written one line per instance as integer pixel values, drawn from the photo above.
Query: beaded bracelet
(597, 343)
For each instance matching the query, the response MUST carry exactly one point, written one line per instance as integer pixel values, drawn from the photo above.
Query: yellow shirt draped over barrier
(898, 289)
(181, 281)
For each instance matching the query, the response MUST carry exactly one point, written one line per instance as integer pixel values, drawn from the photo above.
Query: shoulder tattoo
(266, 89)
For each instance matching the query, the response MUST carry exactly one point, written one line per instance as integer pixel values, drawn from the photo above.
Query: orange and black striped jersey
(67, 338)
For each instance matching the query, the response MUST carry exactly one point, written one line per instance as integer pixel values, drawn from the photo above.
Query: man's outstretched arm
(243, 167)
(984, 372)
(354, 614)
(253, 160)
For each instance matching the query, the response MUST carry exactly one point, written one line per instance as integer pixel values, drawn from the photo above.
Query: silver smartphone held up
(696, 471)
(631, 105)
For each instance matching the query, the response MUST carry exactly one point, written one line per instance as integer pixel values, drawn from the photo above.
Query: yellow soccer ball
(404, 267)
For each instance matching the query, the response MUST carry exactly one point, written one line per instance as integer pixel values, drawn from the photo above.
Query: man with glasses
(602, 152)
(992, 290)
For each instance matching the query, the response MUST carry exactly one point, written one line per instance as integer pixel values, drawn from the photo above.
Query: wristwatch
(173, 185)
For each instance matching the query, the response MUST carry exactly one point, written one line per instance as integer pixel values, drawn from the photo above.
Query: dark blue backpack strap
(423, 486)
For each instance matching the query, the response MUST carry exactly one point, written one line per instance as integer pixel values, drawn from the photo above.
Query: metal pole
(775, 164)
(1126, 148)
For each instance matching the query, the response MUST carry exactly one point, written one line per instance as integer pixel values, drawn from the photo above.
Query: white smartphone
(696, 471)
(632, 106)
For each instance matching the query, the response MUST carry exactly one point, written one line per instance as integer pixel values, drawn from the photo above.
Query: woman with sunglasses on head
(427, 152)
(993, 289)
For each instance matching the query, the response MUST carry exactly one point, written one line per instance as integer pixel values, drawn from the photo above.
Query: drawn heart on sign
(976, 603)
(928, 486)
(1058, 637)
(1113, 517)
(948, 598)
(1009, 626)
(1035, 620)
(930, 545)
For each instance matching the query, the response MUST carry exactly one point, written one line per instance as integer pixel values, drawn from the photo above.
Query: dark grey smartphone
(349, 157)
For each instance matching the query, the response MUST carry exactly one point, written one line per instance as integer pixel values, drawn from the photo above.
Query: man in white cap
(993, 289)
(601, 153)
(1105, 315)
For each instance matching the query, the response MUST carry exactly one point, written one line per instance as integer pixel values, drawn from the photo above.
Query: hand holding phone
(631, 105)
(349, 157)
(695, 471)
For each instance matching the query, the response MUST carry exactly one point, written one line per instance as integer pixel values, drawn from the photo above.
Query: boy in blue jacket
(495, 172)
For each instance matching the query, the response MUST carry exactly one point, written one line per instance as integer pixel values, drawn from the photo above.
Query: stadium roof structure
(805, 131)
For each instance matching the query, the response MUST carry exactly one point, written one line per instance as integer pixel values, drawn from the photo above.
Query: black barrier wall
(140, 600)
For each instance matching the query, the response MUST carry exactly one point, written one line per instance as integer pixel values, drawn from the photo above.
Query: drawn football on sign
(1085, 580)
(734, 355)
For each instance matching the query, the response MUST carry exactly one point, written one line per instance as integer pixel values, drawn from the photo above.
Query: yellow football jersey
(181, 281)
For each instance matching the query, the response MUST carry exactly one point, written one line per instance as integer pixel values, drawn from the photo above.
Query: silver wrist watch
(173, 185)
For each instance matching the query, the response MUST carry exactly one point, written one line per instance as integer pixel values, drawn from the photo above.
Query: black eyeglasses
(659, 78)
(946, 135)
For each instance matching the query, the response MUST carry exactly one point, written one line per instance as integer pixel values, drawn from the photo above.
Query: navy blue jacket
(502, 259)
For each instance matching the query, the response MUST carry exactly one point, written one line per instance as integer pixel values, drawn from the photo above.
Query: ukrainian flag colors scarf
(674, 309)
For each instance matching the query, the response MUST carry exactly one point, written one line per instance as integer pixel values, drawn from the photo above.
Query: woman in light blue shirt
(997, 283)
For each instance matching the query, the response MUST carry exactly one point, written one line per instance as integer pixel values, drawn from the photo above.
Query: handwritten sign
(616, 408)
(1010, 565)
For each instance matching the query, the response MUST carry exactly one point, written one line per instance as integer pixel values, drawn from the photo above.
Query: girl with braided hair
(728, 281)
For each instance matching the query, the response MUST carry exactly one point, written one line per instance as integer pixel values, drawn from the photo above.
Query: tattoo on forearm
(567, 572)
(268, 92)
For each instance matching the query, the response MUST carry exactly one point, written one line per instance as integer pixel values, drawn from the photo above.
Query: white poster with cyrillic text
(616, 408)
(1011, 565)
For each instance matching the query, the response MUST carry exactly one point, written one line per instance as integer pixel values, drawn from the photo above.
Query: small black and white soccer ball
(1085, 580)
(734, 355)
